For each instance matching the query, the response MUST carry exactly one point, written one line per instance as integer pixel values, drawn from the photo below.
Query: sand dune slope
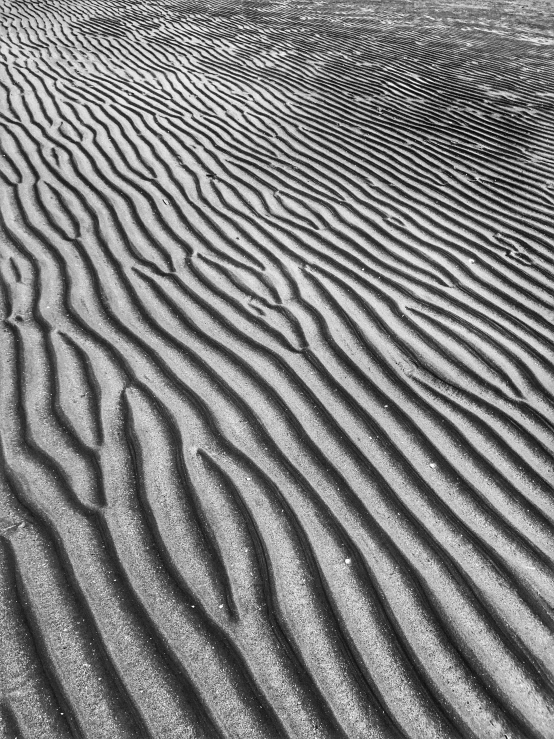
(276, 370)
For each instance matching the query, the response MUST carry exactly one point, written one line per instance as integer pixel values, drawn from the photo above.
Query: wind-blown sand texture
(277, 370)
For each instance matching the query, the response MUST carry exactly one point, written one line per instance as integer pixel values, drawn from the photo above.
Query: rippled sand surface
(276, 369)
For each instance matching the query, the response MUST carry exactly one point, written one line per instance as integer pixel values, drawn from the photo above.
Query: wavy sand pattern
(277, 370)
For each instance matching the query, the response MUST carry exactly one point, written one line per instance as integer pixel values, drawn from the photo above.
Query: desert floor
(276, 369)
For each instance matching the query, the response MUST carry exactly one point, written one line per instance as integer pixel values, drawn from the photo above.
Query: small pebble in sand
(432, 465)
(348, 560)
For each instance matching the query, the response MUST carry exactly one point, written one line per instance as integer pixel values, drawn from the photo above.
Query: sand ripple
(276, 370)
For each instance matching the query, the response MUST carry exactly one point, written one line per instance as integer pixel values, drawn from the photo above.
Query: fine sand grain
(276, 369)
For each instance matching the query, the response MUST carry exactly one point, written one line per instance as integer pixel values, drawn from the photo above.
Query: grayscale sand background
(276, 369)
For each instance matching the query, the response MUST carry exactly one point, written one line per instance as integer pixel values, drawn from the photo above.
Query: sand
(276, 369)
